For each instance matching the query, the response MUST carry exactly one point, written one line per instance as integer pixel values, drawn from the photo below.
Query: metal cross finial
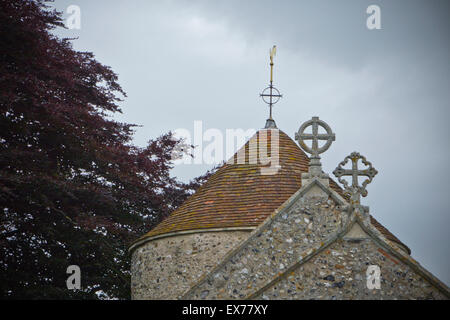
(271, 92)
(355, 190)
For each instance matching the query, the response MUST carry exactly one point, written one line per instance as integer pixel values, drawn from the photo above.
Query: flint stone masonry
(165, 268)
(310, 248)
(339, 272)
(279, 243)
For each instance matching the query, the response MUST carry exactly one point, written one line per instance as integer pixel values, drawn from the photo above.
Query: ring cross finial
(315, 136)
(315, 168)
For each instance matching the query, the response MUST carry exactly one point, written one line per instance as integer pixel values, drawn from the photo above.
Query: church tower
(270, 224)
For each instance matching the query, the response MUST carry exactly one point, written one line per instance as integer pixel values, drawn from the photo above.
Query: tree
(73, 188)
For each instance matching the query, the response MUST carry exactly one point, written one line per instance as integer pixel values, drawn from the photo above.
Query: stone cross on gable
(355, 190)
(315, 122)
(315, 167)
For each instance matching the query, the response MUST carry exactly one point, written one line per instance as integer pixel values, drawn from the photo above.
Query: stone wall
(310, 248)
(313, 249)
(165, 268)
(279, 243)
(339, 272)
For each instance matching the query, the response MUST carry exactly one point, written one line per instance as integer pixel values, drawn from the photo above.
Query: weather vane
(271, 95)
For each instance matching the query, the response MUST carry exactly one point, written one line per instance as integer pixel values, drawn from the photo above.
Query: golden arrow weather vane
(273, 52)
(271, 95)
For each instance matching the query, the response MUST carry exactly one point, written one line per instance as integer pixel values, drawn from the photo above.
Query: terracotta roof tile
(238, 195)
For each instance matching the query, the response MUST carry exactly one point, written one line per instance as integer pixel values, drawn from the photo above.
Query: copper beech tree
(73, 188)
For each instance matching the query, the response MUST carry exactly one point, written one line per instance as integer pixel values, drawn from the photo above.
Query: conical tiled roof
(239, 196)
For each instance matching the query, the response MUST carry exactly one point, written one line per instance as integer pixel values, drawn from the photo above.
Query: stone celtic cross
(315, 168)
(355, 190)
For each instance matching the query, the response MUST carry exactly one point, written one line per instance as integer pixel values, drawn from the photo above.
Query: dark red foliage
(73, 189)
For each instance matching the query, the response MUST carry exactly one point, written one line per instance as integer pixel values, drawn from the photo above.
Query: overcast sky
(385, 93)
